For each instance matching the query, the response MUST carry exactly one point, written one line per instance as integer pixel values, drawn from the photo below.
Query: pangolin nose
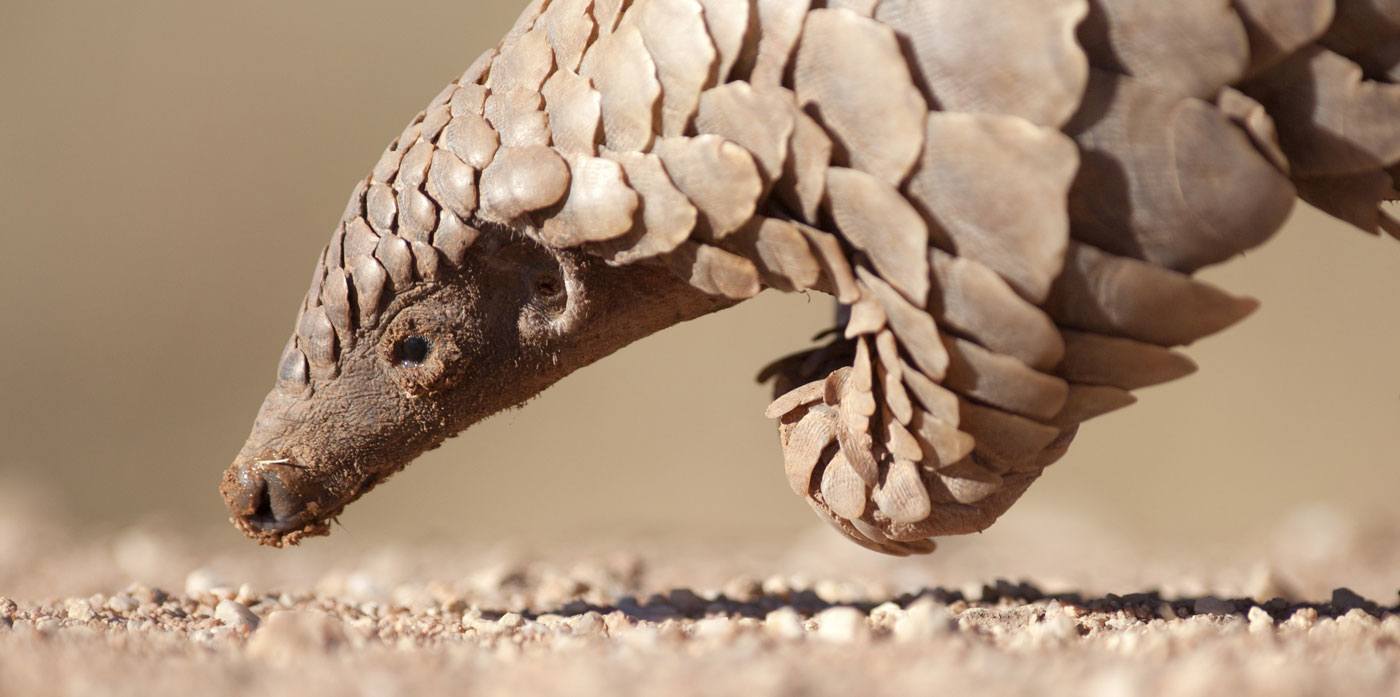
(265, 502)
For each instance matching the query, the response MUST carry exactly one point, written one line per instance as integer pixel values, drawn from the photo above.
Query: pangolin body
(1010, 197)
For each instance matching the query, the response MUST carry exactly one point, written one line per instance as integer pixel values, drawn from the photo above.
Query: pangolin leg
(1063, 222)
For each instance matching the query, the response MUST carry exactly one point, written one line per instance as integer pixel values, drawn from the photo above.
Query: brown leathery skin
(503, 327)
(1011, 197)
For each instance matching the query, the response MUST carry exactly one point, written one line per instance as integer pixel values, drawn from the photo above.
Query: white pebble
(80, 610)
(121, 604)
(1056, 628)
(587, 624)
(511, 620)
(743, 589)
(1259, 620)
(972, 592)
(837, 592)
(236, 615)
(776, 586)
(784, 623)
(1391, 626)
(886, 613)
(923, 620)
(841, 625)
(715, 628)
(1302, 618)
(245, 594)
(1356, 617)
(202, 582)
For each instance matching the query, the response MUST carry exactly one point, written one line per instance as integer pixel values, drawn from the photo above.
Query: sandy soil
(149, 611)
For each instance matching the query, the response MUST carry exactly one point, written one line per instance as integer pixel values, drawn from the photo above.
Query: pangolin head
(461, 281)
(373, 378)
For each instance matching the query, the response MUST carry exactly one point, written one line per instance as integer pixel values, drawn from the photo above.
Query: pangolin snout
(269, 500)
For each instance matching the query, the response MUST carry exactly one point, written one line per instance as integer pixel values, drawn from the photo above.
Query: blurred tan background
(171, 169)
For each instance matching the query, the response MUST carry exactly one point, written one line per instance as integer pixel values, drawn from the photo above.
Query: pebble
(122, 604)
(616, 621)
(236, 615)
(784, 623)
(718, 608)
(146, 594)
(1211, 605)
(587, 624)
(1348, 599)
(202, 581)
(842, 625)
(8, 608)
(80, 610)
(838, 592)
(886, 613)
(1359, 617)
(743, 589)
(1391, 626)
(776, 586)
(1056, 627)
(686, 601)
(1260, 620)
(511, 620)
(972, 592)
(1303, 618)
(924, 619)
(715, 628)
(245, 594)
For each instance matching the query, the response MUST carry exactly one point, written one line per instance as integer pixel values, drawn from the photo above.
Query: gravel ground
(146, 611)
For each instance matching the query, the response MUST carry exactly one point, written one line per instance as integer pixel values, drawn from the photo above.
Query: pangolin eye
(412, 350)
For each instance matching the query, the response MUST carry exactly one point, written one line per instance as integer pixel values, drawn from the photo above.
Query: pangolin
(1007, 198)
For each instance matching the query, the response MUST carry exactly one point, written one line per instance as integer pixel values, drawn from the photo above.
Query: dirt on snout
(1043, 606)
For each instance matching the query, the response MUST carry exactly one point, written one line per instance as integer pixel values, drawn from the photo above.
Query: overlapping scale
(1188, 48)
(1170, 180)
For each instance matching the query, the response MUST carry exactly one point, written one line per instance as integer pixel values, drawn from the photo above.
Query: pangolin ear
(551, 284)
(564, 297)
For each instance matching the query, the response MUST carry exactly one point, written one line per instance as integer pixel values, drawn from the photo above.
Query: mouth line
(265, 527)
(281, 461)
(278, 536)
